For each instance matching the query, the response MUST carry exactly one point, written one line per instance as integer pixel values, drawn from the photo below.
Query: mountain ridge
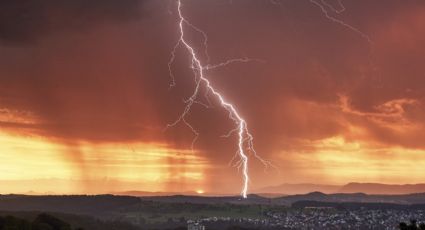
(352, 187)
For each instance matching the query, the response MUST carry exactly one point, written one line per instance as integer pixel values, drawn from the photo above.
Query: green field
(156, 212)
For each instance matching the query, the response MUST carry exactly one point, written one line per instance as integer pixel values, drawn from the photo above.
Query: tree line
(413, 225)
(42, 222)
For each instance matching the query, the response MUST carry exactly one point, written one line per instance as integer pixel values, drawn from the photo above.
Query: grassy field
(162, 212)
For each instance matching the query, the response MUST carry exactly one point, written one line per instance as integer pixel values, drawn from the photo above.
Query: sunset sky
(85, 96)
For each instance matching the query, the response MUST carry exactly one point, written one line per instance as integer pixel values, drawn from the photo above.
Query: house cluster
(195, 225)
(319, 218)
(343, 219)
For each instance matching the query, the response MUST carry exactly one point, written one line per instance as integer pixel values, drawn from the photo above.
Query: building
(195, 226)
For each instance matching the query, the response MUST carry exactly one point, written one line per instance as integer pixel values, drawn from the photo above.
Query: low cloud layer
(96, 72)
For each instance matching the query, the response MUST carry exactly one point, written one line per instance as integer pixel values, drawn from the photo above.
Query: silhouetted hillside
(367, 188)
(101, 205)
(109, 212)
(293, 189)
(375, 188)
(356, 205)
(56, 221)
(354, 197)
(252, 199)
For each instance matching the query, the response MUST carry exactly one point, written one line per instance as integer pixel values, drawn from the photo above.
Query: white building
(195, 226)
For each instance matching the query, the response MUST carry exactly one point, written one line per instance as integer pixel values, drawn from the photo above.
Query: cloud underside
(97, 73)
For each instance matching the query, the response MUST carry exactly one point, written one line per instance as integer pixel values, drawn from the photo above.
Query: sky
(85, 94)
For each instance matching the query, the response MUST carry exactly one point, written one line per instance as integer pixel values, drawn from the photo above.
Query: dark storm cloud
(28, 20)
(110, 83)
(312, 61)
(68, 79)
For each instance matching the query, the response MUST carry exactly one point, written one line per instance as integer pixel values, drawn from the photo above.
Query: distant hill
(375, 188)
(99, 205)
(65, 220)
(146, 194)
(108, 206)
(154, 194)
(357, 205)
(170, 212)
(418, 198)
(252, 199)
(367, 188)
(292, 189)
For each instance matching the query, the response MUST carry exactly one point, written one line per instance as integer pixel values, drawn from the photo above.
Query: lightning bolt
(323, 4)
(338, 11)
(327, 9)
(245, 138)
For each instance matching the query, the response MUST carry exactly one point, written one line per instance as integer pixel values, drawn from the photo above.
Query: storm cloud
(97, 71)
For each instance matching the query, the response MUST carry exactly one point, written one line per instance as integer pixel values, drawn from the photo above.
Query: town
(317, 218)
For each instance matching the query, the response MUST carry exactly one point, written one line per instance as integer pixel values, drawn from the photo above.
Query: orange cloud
(77, 96)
